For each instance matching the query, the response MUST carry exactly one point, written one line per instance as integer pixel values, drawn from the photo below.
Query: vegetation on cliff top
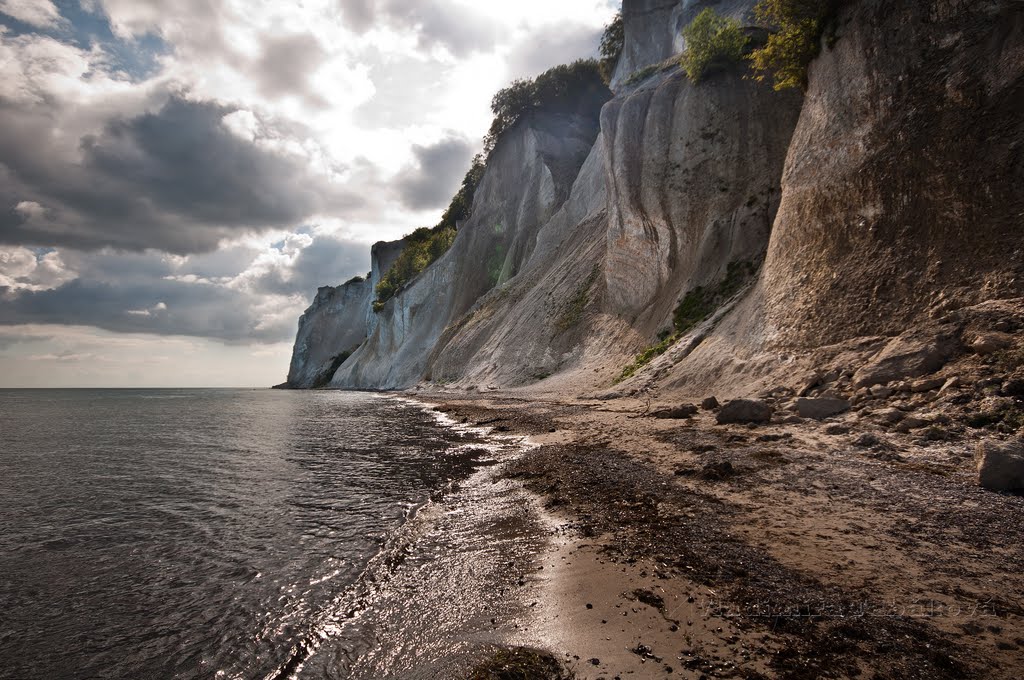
(612, 43)
(712, 41)
(790, 50)
(563, 88)
(424, 246)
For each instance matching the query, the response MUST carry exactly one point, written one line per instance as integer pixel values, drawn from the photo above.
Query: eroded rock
(1000, 466)
(744, 411)
(821, 407)
(675, 412)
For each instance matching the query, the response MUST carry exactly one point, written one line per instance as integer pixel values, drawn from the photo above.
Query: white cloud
(24, 269)
(39, 13)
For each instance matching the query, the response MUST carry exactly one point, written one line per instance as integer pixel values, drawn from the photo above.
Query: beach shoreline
(679, 546)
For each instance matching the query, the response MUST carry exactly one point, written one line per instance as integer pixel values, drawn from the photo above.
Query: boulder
(1000, 466)
(744, 411)
(881, 391)
(910, 355)
(889, 415)
(710, 404)
(987, 343)
(821, 408)
(675, 412)
(950, 384)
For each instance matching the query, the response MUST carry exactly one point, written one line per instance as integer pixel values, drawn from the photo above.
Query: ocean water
(249, 534)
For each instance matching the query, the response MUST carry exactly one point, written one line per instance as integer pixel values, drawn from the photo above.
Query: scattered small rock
(744, 411)
(821, 407)
(1000, 466)
(912, 423)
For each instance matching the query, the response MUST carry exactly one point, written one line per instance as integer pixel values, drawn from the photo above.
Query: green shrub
(612, 43)
(568, 87)
(696, 306)
(711, 41)
(424, 246)
(790, 49)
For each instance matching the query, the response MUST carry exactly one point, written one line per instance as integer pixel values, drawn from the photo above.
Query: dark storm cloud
(436, 176)
(175, 179)
(459, 29)
(226, 295)
(156, 306)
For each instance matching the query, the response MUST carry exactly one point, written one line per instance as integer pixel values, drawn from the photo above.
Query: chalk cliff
(888, 193)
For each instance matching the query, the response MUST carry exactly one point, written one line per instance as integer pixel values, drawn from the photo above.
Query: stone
(744, 411)
(881, 391)
(927, 385)
(912, 423)
(675, 412)
(910, 355)
(1000, 466)
(950, 384)
(987, 343)
(710, 404)
(836, 428)
(821, 408)
(1014, 386)
(867, 440)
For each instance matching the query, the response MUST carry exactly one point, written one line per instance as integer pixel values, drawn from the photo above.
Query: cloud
(461, 29)
(39, 13)
(287, 64)
(177, 179)
(25, 269)
(550, 46)
(436, 175)
(239, 294)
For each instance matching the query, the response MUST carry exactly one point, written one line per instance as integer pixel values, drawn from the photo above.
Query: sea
(253, 534)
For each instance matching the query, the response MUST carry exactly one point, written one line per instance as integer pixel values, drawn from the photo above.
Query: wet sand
(683, 548)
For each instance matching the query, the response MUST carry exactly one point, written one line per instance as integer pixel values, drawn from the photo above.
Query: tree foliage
(612, 43)
(424, 246)
(564, 87)
(711, 41)
(797, 41)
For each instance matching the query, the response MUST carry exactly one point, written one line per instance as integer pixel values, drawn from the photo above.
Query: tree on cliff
(793, 46)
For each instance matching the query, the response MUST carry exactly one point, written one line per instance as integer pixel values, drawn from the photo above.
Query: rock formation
(872, 207)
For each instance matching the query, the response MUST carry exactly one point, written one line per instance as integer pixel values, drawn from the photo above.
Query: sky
(177, 177)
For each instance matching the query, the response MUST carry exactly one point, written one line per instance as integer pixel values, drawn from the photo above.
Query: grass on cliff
(695, 307)
(572, 311)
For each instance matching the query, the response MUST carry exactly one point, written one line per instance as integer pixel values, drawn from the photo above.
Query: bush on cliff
(424, 246)
(796, 42)
(712, 41)
(612, 43)
(568, 88)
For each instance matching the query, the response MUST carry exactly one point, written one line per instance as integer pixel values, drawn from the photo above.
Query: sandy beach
(684, 548)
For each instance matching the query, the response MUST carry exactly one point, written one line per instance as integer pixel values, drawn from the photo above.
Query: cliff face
(903, 186)
(528, 178)
(337, 323)
(887, 193)
(328, 333)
